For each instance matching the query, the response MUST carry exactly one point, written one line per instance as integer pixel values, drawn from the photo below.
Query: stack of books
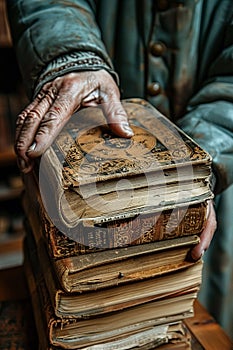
(110, 223)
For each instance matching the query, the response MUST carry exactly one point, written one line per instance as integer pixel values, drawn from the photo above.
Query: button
(154, 89)
(162, 5)
(157, 49)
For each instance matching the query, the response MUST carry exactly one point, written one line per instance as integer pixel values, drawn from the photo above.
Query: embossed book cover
(93, 177)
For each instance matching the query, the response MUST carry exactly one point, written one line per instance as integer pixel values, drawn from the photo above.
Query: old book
(174, 336)
(158, 320)
(90, 177)
(179, 222)
(119, 266)
(165, 279)
(109, 267)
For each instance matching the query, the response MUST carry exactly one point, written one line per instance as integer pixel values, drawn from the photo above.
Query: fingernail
(32, 147)
(202, 254)
(127, 129)
(196, 257)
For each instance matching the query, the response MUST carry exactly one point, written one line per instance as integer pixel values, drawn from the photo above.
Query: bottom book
(177, 338)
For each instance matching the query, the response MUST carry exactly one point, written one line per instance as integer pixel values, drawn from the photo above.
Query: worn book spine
(128, 232)
(142, 229)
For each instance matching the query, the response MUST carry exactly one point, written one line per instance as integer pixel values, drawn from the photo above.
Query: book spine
(131, 232)
(167, 225)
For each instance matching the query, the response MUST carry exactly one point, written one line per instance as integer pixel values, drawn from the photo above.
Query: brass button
(154, 89)
(162, 5)
(157, 49)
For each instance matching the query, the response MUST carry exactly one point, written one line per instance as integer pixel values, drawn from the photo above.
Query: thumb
(104, 92)
(117, 118)
(207, 233)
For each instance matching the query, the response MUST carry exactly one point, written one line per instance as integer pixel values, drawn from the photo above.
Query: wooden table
(207, 333)
(18, 330)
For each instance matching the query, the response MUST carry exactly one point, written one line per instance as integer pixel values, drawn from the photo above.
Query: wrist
(74, 61)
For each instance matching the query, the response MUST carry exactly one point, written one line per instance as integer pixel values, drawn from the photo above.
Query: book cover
(91, 153)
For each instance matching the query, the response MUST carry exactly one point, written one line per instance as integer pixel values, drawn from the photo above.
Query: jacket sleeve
(209, 119)
(63, 34)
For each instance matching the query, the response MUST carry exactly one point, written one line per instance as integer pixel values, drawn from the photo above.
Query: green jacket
(176, 54)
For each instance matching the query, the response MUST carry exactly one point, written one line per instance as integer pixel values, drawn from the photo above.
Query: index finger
(29, 120)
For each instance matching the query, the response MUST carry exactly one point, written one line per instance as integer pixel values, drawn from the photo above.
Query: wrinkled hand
(39, 124)
(207, 234)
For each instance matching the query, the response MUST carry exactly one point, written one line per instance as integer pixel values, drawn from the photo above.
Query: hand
(207, 234)
(40, 122)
